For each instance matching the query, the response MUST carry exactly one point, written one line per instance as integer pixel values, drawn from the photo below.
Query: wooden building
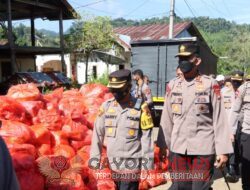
(14, 58)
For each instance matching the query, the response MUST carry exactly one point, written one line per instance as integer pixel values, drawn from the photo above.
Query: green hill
(228, 40)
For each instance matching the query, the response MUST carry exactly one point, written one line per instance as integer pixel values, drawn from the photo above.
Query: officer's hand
(221, 161)
(164, 153)
(232, 138)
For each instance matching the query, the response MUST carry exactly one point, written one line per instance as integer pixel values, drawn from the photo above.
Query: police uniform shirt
(193, 120)
(242, 100)
(125, 138)
(144, 92)
(228, 97)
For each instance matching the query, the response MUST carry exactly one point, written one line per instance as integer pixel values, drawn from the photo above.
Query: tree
(89, 34)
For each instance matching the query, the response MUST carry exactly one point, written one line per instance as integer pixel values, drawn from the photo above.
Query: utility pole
(171, 19)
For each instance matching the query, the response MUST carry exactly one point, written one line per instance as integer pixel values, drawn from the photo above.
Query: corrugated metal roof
(151, 32)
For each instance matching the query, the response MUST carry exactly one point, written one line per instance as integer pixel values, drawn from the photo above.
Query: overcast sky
(232, 10)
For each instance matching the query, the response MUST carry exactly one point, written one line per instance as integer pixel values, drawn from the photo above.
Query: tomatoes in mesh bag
(70, 181)
(23, 148)
(52, 119)
(108, 96)
(93, 103)
(64, 150)
(155, 179)
(89, 180)
(42, 134)
(106, 185)
(16, 132)
(73, 93)
(84, 157)
(75, 130)
(93, 90)
(91, 119)
(24, 92)
(44, 149)
(58, 138)
(85, 149)
(86, 141)
(32, 107)
(12, 110)
(30, 179)
(53, 97)
(143, 185)
(23, 161)
(73, 107)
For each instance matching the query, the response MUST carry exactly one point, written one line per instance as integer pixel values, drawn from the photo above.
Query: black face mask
(120, 95)
(186, 66)
(236, 84)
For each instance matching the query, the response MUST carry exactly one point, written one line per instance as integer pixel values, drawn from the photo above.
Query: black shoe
(231, 178)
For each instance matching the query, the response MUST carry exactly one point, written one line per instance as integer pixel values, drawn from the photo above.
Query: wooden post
(32, 24)
(10, 39)
(62, 41)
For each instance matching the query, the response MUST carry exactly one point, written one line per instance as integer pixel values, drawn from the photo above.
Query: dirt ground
(219, 182)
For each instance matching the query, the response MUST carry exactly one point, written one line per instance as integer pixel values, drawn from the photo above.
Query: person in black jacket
(8, 180)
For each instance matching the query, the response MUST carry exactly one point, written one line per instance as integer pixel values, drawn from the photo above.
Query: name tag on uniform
(202, 99)
(133, 118)
(110, 116)
(201, 94)
(227, 100)
(176, 100)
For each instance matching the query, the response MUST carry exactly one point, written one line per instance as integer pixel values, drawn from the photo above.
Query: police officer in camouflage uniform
(243, 101)
(8, 180)
(193, 124)
(126, 125)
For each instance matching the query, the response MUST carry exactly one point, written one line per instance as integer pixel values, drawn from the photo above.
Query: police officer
(127, 126)
(234, 160)
(142, 90)
(243, 100)
(228, 95)
(237, 79)
(193, 125)
(8, 180)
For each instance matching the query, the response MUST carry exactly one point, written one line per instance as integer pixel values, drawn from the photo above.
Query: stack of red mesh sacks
(49, 136)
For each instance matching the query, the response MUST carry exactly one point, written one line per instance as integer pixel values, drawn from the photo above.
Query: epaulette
(104, 106)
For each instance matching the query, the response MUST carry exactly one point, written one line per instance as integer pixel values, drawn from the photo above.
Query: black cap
(118, 79)
(237, 75)
(187, 49)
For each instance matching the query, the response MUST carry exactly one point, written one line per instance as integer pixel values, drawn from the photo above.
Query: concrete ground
(219, 182)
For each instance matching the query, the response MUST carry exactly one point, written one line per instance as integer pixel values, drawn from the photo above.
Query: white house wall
(101, 68)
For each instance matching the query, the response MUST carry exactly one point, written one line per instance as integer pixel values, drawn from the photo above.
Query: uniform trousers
(183, 165)
(127, 185)
(245, 160)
